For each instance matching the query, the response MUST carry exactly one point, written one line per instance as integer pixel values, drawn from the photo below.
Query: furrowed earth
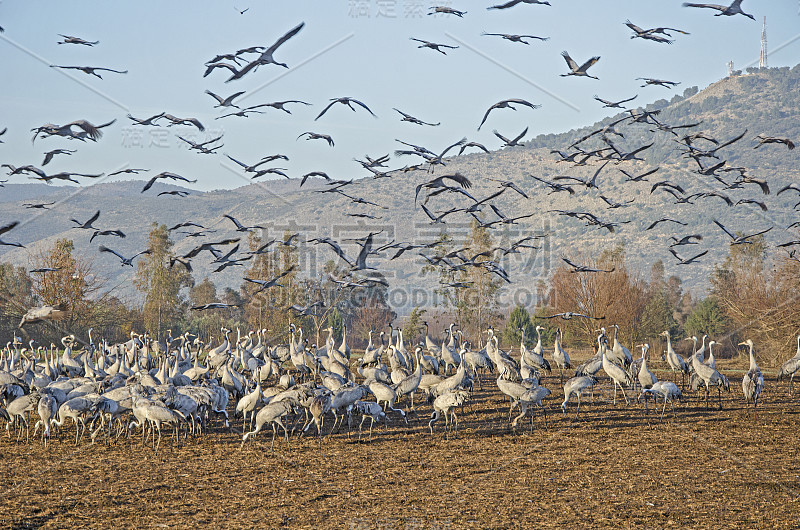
(614, 466)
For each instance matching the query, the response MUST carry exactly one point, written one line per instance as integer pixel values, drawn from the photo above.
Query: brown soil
(613, 467)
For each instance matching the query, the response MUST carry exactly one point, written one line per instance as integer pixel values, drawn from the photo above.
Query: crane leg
(664, 408)
(579, 406)
(285, 433)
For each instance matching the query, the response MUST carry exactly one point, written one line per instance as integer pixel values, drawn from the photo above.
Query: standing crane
(560, 356)
(617, 374)
(753, 380)
(445, 405)
(709, 376)
(790, 367)
(675, 361)
(528, 399)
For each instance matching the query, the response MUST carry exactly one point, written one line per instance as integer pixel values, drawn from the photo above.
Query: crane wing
(291, 33)
(724, 229)
(8, 227)
(585, 66)
(572, 64)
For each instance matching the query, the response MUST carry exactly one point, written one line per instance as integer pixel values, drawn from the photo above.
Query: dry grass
(612, 467)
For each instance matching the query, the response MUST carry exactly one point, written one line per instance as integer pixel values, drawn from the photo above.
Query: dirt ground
(613, 467)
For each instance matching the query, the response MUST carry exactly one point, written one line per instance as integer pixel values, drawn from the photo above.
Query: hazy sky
(359, 49)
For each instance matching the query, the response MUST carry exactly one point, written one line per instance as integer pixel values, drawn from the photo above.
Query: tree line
(750, 297)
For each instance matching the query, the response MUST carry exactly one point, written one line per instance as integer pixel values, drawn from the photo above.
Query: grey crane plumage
(577, 386)
(739, 240)
(271, 415)
(617, 374)
(91, 70)
(560, 356)
(446, 404)
(434, 45)
(753, 380)
(345, 101)
(512, 3)
(265, 58)
(516, 38)
(666, 389)
(69, 39)
(579, 70)
(506, 104)
(225, 102)
(790, 367)
(675, 361)
(124, 261)
(735, 8)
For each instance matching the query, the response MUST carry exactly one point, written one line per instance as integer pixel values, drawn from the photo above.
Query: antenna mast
(762, 62)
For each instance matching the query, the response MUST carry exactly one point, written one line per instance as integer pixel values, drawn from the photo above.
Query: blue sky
(347, 48)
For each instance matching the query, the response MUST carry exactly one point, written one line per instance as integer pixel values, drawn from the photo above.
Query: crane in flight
(734, 9)
(91, 70)
(434, 45)
(739, 240)
(516, 38)
(266, 56)
(123, 259)
(614, 104)
(512, 3)
(579, 70)
(506, 104)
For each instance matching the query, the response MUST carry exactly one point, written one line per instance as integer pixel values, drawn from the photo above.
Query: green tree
(335, 321)
(478, 301)
(270, 307)
(413, 327)
(657, 317)
(161, 284)
(205, 323)
(203, 293)
(517, 320)
(448, 295)
(708, 318)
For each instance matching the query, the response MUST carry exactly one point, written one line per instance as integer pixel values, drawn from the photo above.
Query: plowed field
(612, 467)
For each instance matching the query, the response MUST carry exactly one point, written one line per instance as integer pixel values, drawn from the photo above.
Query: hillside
(764, 102)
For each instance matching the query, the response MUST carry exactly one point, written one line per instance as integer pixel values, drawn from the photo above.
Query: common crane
(790, 368)
(734, 9)
(579, 70)
(753, 380)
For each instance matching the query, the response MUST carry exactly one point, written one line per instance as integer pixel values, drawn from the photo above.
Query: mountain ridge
(762, 101)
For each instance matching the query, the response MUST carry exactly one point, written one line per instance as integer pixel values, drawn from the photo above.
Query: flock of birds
(150, 378)
(144, 385)
(606, 152)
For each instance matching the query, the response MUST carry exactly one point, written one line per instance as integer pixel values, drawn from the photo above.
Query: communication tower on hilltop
(762, 62)
(730, 68)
